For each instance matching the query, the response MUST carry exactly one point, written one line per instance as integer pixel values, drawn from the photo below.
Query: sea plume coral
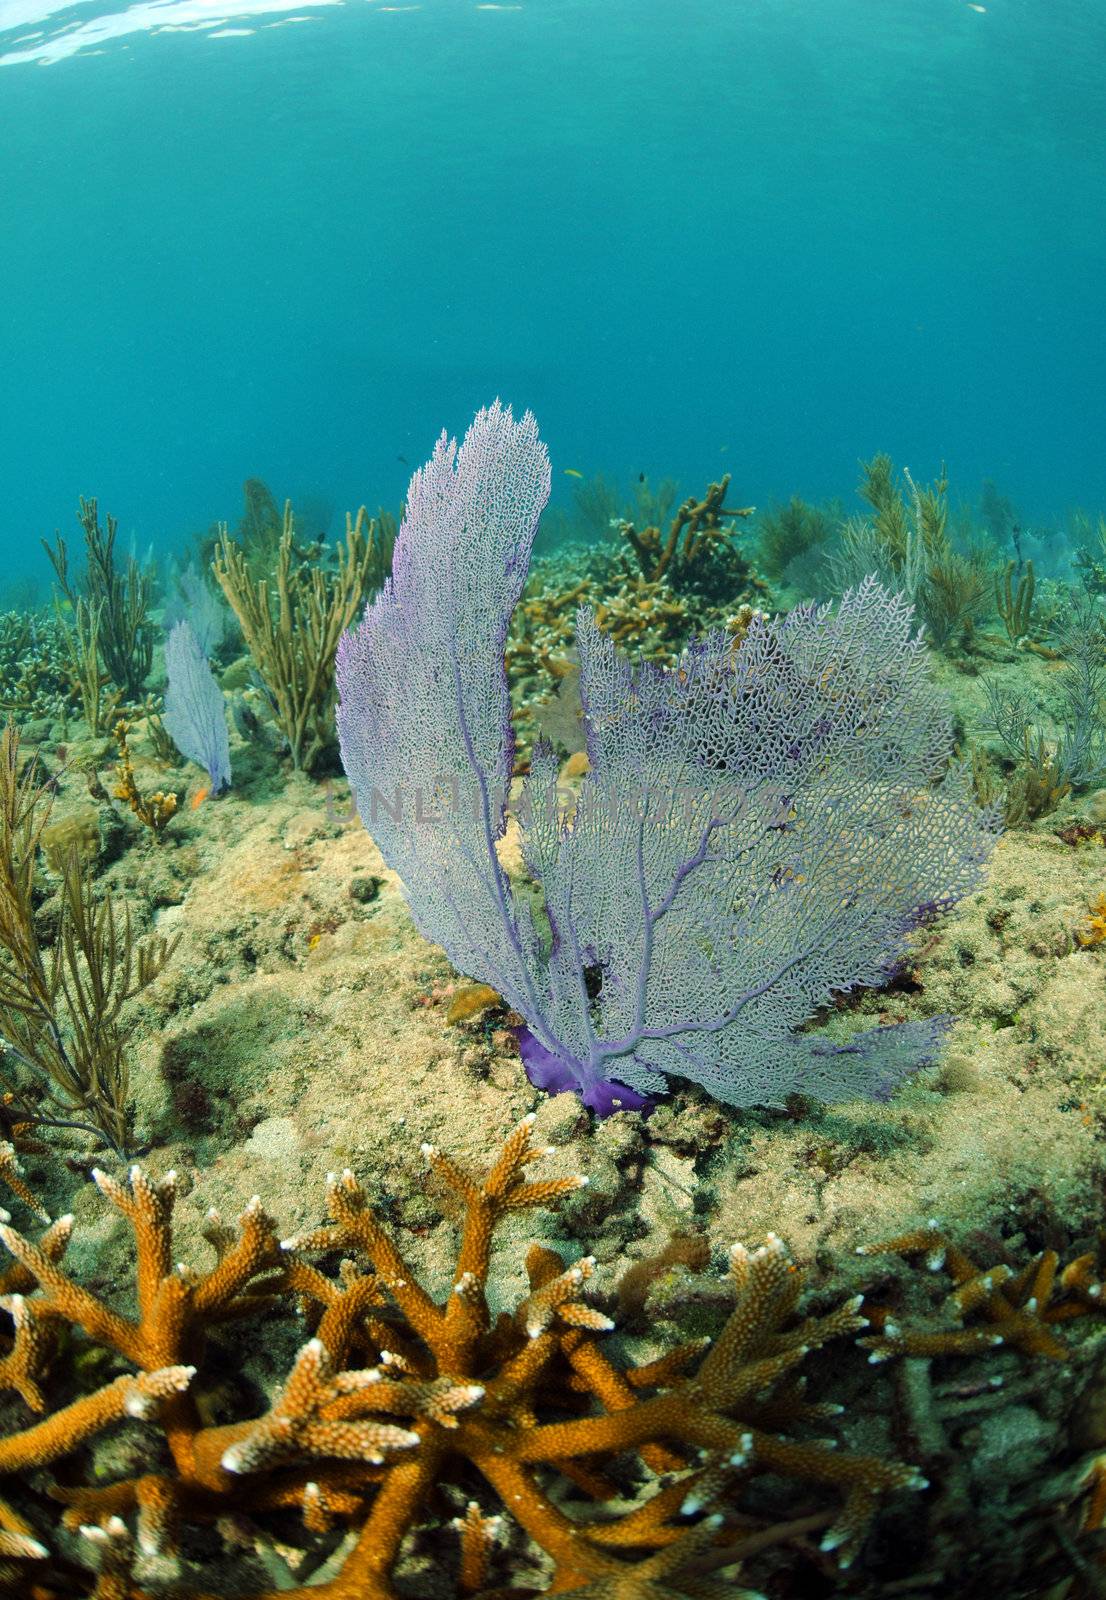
(760, 829)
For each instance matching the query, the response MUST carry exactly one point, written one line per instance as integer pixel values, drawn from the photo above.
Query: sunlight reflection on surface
(43, 32)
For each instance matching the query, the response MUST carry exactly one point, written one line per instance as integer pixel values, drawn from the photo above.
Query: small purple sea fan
(195, 713)
(193, 600)
(760, 829)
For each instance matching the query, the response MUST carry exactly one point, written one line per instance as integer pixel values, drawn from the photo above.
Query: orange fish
(199, 797)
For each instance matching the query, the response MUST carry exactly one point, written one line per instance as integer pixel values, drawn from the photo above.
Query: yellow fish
(570, 472)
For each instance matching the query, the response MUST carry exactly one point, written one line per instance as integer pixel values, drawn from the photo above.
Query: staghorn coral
(397, 1394)
(694, 531)
(1018, 1309)
(1004, 1437)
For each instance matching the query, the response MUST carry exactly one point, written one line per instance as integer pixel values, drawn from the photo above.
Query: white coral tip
(29, 1549)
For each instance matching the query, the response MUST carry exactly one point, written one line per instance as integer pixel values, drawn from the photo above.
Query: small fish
(199, 797)
(570, 472)
(404, 459)
(973, 7)
(641, 477)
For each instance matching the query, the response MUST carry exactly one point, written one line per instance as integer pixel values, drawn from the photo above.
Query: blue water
(763, 236)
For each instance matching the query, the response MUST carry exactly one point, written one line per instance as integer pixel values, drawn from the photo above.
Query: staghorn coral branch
(148, 1207)
(254, 1251)
(66, 1429)
(69, 1302)
(357, 1228)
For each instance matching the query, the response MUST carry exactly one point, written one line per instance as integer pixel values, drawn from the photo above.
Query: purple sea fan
(759, 830)
(195, 713)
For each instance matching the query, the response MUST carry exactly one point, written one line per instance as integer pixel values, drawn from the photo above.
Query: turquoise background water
(765, 236)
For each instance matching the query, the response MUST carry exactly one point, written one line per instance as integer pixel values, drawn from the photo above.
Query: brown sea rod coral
(398, 1395)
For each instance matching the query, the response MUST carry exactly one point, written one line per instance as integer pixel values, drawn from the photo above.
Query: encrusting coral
(396, 1395)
